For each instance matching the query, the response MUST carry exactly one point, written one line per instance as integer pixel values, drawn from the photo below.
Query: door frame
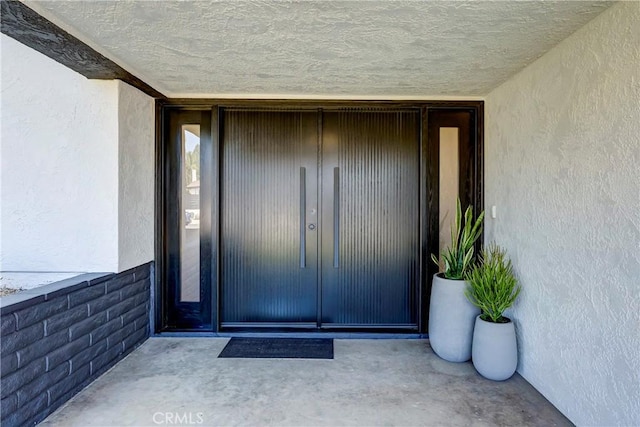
(214, 108)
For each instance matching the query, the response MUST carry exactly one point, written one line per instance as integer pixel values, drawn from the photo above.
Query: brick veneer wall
(57, 339)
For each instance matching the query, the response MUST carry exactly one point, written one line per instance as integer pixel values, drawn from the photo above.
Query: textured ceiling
(336, 49)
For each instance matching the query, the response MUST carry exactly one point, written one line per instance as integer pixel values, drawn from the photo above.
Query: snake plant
(458, 257)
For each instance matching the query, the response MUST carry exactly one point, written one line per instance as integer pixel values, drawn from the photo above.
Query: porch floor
(370, 382)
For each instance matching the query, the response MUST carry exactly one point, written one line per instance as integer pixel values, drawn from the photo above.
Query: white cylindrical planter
(495, 350)
(451, 318)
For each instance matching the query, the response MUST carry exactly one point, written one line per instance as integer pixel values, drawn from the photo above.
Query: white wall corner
(59, 166)
(136, 148)
(561, 164)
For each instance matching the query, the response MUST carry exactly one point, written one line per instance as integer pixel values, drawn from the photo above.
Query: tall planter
(451, 319)
(495, 350)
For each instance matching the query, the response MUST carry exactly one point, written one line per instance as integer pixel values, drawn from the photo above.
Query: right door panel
(370, 218)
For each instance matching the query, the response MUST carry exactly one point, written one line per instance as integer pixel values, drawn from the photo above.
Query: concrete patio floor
(180, 381)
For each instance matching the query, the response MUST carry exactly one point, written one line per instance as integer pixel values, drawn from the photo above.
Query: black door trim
(173, 313)
(216, 138)
(469, 120)
(213, 107)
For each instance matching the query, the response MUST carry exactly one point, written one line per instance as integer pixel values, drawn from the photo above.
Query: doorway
(319, 218)
(309, 217)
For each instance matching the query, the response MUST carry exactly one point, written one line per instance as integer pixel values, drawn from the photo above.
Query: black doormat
(279, 348)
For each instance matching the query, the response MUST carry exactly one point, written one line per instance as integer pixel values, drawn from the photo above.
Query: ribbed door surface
(269, 198)
(370, 218)
(359, 224)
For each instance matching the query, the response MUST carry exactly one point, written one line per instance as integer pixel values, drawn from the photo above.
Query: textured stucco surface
(562, 155)
(340, 48)
(136, 128)
(59, 164)
(77, 173)
(1, 91)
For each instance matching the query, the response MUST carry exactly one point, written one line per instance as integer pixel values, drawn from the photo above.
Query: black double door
(319, 218)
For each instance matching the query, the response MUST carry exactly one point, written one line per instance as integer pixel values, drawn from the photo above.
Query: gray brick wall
(57, 339)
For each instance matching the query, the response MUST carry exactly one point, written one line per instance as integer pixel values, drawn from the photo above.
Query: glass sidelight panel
(186, 237)
(449, 183)
(190, 215)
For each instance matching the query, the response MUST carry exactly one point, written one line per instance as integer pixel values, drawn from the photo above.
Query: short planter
(495, 350)
(451, 318)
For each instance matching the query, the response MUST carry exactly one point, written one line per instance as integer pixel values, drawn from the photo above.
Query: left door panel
(269, 210)
(187, 220)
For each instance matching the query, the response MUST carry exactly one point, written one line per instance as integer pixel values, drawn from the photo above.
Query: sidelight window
(190, 215)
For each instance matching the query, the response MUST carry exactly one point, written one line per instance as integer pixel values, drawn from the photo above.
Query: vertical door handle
(336, 217)
(303, 217)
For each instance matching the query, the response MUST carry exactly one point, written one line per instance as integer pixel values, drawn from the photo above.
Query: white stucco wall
(562, 167)
(136, 177)
(77, 178)
(59, 191)
(1, 87)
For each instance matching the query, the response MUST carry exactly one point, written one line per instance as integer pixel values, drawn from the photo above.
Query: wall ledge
(31, 297)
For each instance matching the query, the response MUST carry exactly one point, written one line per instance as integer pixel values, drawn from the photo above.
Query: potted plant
(451, 315)
(493, 288)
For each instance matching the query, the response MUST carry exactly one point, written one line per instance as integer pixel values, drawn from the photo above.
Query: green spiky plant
(457, 258)
(493, 286)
